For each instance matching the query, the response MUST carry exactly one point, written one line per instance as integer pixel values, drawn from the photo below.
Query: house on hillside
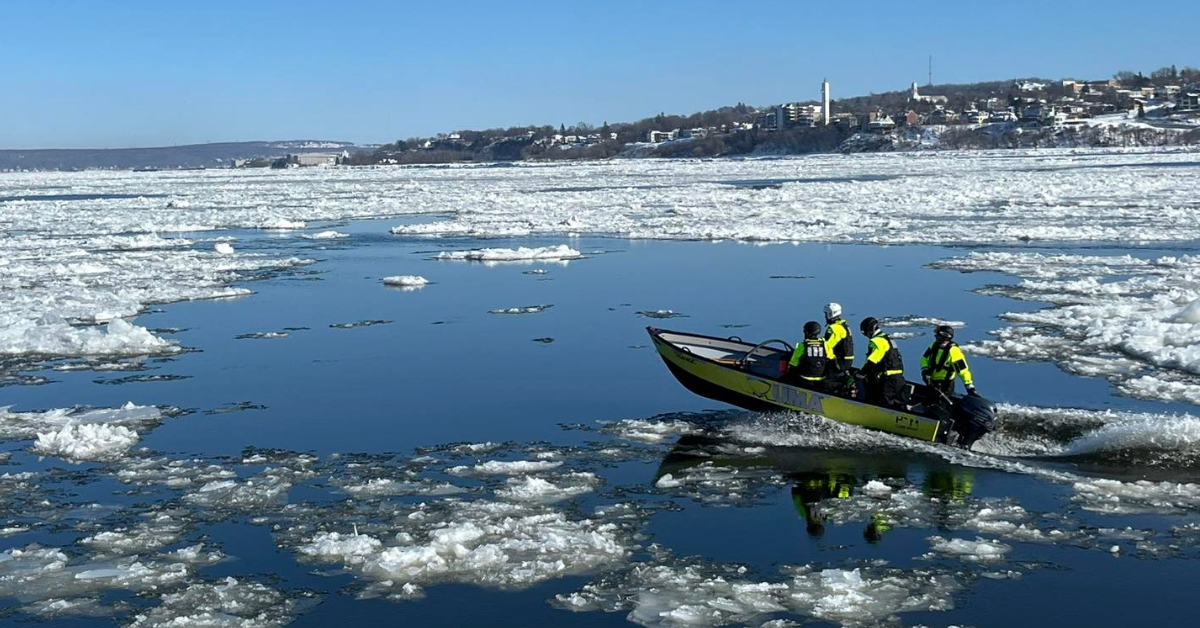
(880, 123)
(911, 118)
(989, 104)
(1187, 102)
(1167, 91)
(845, 121)
(940, 115)
(974, 116)
(766, 121)
(1032, 114)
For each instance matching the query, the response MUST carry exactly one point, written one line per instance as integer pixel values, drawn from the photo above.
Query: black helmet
(812, 329)
(869, 326)
(944, 332)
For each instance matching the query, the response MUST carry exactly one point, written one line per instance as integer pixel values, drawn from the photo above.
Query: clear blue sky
(117, 74)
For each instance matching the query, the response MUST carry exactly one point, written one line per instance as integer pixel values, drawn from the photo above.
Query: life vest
(945, 363)
(839, 343)
(890, 363)
(814, 361)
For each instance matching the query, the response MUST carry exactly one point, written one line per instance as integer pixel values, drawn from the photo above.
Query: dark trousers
(888, 391)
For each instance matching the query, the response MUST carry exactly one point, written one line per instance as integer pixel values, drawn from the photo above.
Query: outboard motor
(973, 417)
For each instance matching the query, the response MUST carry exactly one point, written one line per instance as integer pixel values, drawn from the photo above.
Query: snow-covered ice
(978, 550)
(979, 197)
(541, 491)
(498, 544)
(406, 281)
(231, 603)
(325, 235)
(649, 431)
(506, 467)
(520, 254)
(917, 321)
(673, 592)
(87, 441)
(14, 425)
(1120, 317)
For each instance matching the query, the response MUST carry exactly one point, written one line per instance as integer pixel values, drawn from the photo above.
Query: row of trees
(976, 138)
(1166, 75)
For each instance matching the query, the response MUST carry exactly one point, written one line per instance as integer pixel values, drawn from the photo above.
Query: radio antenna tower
(931, 70)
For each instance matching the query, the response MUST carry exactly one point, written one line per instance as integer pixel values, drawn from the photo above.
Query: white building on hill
(916, 95)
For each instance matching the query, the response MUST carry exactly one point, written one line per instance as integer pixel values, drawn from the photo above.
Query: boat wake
(1132, 441)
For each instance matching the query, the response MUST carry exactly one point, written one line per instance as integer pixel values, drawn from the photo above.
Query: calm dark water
(446, 370)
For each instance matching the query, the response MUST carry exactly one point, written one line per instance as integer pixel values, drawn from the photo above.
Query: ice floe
(87, 441)
(498, 544)
(263, 335)
(649, 431)
(505, 467)
(50, 335)
(918, 321)
(325, 235)
(363, 323)
(1120, 317)
(525, 309)
(231, 603)
(14, 425)
(541, 491)
(672, 592)
(406, 281)
(55, 582)
(558, 253)
(978, 550)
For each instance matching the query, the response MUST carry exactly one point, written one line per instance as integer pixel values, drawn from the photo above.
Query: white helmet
(832, 311)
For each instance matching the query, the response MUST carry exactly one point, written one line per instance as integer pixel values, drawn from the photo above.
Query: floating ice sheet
(947, 198)
(520, 254)
(1120, 317)
(326, 235)
(86, 441)
(525, 309)
(406, 281)
(228, 604)
(14, 425)
(671, 592)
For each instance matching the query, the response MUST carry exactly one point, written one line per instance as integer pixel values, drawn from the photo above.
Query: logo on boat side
(785, 395)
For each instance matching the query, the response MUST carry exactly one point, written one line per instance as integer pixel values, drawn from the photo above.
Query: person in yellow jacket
(944, 362)
(883, 371)
(839, 346)
(838, 341)
(809, 362)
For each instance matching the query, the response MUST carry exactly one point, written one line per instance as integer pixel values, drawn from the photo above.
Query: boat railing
(741, 363)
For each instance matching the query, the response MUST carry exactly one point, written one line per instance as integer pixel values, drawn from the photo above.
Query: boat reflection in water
(819, 478)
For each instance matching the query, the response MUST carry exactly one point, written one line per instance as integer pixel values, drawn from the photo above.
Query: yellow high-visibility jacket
(945, 363)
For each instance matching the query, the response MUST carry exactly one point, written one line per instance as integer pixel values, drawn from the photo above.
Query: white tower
(824, 102)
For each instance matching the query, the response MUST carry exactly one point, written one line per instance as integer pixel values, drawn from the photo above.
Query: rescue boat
(751, 376)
